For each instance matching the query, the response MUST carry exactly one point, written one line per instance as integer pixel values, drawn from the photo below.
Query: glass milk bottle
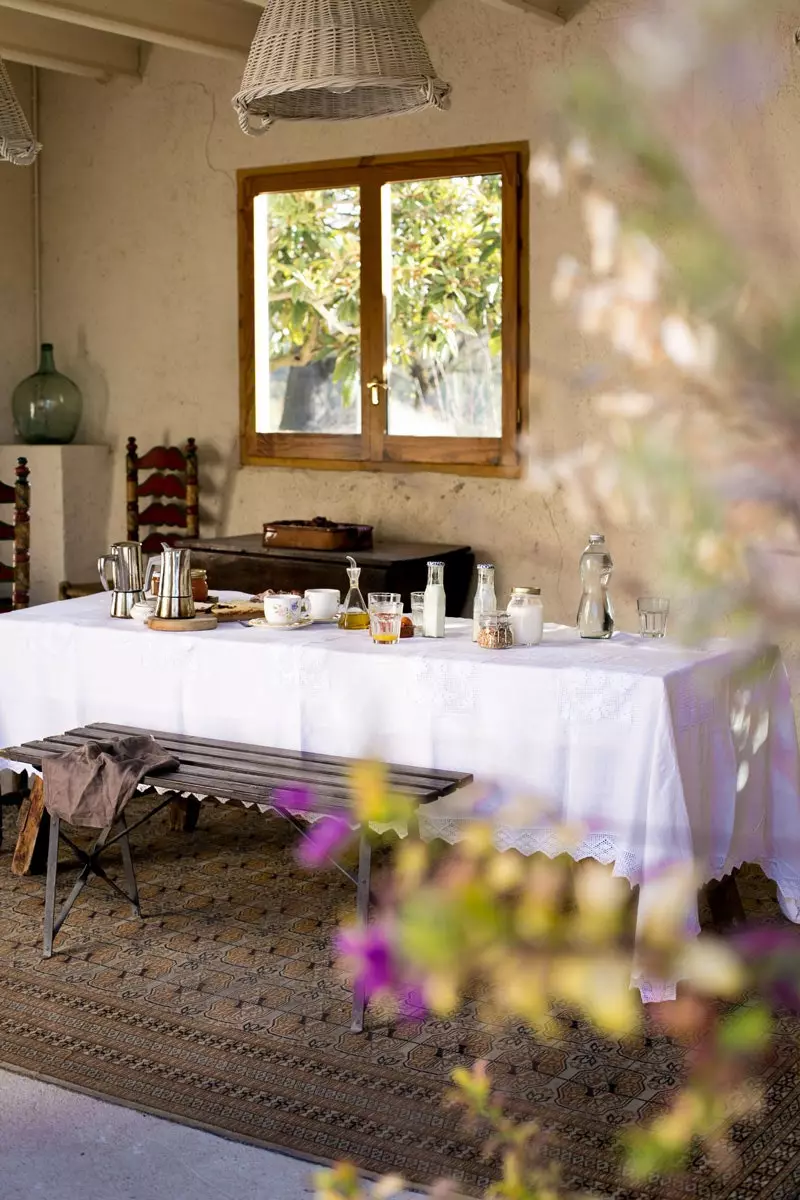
(485, 598)
(434, 605)
(527, 616)
(595, 612)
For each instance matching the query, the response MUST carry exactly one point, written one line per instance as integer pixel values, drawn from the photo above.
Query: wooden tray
(306, 535)
(182, 624)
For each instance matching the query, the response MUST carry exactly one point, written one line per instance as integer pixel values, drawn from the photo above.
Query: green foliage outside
(446, 272)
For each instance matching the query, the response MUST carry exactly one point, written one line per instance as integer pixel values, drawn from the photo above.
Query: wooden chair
(19, 532)
(170, 493)
(18, 575)
(170, 496)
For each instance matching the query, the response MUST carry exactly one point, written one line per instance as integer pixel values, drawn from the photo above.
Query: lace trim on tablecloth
(398, 827)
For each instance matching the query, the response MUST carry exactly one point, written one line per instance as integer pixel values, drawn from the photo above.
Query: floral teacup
(285, 609)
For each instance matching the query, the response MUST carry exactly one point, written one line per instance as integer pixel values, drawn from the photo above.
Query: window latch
(375, 387)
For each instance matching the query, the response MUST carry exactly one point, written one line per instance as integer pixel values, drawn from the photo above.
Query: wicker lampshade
(336, 60)
(17, 143)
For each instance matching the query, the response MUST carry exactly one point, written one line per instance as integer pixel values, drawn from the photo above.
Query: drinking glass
(417, 610)
(653, 613)
(385, 615)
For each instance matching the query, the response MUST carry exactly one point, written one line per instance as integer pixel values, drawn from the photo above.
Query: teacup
(285, 609)
(323, 603)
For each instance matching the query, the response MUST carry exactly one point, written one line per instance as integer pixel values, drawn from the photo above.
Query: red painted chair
(165, 502)
(19, 533)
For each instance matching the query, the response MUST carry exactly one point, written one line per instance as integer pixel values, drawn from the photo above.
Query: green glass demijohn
(47, 406)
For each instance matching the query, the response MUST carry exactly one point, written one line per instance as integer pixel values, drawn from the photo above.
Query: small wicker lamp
(336, 60)
(17, 143)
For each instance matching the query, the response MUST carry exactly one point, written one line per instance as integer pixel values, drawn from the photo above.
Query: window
(382, 312)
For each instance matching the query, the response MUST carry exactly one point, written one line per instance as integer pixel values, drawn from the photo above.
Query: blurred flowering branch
(692, 284)
(538, 936)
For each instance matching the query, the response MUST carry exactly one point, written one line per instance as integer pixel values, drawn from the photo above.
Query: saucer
(263, 623)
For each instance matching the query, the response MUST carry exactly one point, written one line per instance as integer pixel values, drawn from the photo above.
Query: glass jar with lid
(527, 615)
(494, 631)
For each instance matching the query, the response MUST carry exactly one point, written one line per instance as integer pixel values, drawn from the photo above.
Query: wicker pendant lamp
(336, 60)
(17, 143)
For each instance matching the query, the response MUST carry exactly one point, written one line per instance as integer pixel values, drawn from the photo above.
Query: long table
(661, 754)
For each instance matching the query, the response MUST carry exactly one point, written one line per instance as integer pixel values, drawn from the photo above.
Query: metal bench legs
(362, 911)
(91, 866)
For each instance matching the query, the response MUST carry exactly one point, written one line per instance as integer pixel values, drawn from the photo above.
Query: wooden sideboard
(243, 564)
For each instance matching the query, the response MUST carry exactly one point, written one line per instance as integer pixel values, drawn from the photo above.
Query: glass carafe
(485, 597)
(47, 406)
(595, 612)
(354, 613)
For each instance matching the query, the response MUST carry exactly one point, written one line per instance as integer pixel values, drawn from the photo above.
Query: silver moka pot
(175, 598)
(127, 576)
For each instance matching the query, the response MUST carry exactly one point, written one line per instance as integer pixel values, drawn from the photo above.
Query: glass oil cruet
(354, 613)
(595, 612)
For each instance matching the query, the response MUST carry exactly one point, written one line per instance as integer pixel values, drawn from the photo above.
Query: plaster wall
(17, 350)
(140, 282)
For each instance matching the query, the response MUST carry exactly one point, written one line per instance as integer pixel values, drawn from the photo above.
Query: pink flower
(773, 955)
(323, 840)
(371, 951)
(412, 1004)
(295, 798)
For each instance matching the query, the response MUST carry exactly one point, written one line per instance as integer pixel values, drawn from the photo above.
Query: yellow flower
(388, 1187)
(505, 871)
(441, 993)
(712, 967)
(372, 798)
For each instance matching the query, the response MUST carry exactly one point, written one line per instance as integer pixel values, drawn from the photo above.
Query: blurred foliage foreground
(531, 935)
(694, 286)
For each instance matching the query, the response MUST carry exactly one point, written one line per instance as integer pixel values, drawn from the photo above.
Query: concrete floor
(57, 1143)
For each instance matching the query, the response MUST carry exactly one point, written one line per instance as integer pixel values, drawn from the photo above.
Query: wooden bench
(238, 774)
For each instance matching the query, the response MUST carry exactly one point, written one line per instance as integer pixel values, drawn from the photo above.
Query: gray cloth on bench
(90, 785)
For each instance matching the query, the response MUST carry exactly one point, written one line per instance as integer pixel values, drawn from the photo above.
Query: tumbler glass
(417, 609)
(385, 615)
(653, 613)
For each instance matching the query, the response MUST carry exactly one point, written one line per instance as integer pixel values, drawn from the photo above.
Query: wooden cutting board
(183, 624)
(238, 610)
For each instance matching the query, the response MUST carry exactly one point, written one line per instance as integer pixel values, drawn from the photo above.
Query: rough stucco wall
(141, 291)
(16, 273)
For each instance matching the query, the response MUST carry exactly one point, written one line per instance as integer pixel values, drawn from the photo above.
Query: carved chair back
(166, 501)
(18, 533)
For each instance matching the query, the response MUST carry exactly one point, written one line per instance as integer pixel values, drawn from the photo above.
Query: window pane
(445, 307)
(307, 318)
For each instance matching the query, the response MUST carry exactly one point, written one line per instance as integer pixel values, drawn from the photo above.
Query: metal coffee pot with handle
(127, 576)
(175, 598)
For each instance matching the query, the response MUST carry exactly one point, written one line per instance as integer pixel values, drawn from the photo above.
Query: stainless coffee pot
(127, 572)
(175, 598)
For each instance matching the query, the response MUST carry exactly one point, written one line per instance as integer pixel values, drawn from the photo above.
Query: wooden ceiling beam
(42, 43)
(200, 26)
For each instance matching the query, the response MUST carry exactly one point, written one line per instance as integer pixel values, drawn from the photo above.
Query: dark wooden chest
(243, 564)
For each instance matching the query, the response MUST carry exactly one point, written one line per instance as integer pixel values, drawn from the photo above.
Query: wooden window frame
(373, 449)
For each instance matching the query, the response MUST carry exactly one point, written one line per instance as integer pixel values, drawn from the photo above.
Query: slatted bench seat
(228, 772)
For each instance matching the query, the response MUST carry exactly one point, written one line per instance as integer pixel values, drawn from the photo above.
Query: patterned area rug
(223, 1009)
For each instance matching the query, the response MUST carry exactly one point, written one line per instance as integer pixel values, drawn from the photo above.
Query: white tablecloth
(664, 754)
